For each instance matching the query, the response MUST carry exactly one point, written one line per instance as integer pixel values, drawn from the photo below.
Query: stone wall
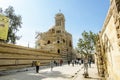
(108, 51)
(13, 56)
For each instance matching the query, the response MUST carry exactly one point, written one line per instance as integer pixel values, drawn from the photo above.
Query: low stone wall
(14, 56)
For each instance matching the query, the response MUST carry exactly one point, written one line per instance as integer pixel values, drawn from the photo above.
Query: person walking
(79, 62)
(73, 63)
(68, 62)
(51, 65)
(61, 62)
(85, 67)
(37, 64)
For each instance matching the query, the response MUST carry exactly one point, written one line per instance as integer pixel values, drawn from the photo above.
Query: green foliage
(15, 22)
(86, 44)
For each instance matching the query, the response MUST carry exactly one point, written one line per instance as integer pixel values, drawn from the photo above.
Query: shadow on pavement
(48, 74)
(94, 78)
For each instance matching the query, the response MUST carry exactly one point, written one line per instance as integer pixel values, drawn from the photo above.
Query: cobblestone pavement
(64, 72)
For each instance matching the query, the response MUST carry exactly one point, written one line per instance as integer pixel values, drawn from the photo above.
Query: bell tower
(60, 20)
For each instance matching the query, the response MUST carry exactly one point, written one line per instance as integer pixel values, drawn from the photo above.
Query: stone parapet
(14, 56)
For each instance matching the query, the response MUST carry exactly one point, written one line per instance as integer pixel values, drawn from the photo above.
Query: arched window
(48, 42)
(58, 31)
(58, 41)
(58, 22)
(67, 49)
(53, 30)
(63, 41)
(58, 50)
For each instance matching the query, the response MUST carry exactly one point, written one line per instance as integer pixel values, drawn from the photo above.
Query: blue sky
(38, 16)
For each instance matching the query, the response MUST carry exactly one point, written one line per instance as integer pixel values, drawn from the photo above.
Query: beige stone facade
(108, 47)
(14, 56)
(56, 39)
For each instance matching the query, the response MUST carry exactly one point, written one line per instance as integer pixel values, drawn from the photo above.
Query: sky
(38, 16)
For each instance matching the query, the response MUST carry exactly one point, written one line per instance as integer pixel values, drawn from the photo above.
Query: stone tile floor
(64, 72)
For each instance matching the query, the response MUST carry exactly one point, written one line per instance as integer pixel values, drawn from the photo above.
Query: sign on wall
(4, 23)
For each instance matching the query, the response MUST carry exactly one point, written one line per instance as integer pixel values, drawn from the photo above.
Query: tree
(86, 44)
(15, 22)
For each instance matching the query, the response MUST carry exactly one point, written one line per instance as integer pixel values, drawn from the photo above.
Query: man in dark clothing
(37, 64)
(68, 62)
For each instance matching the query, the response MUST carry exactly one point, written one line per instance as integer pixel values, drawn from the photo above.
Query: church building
(56, 39)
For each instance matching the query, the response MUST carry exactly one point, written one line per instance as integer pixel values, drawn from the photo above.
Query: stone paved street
(64, 72)
(93, 74)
